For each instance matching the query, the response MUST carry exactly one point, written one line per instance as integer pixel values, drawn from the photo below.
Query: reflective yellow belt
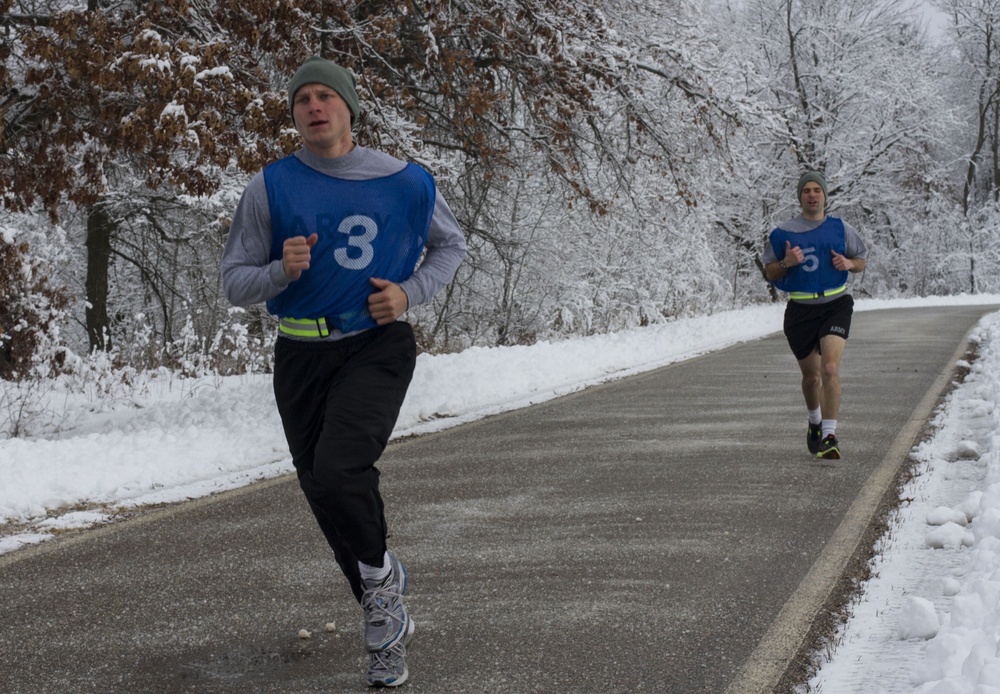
(304, 327)
(804, 295)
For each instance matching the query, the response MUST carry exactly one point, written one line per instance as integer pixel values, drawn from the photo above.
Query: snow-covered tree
(113, 112)
(613, 164)
(973, 59)
(849, 89)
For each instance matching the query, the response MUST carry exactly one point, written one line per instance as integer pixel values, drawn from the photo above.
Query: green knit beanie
(814, 176)
(322, 71)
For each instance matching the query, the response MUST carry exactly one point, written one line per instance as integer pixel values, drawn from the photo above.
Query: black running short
(806, 324)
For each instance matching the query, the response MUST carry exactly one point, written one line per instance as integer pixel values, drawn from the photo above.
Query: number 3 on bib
(362, 242)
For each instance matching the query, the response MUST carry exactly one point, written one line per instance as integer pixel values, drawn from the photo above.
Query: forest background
(613, 164)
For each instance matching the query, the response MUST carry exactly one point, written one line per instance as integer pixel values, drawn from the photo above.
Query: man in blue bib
(810, 257)
(340, 241)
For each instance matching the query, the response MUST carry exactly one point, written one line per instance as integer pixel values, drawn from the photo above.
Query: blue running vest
(816, 273)
(372, 228)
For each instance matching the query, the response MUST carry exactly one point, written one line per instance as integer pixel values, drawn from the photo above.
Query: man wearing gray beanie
(320, 71)
(811, 257)
(339, 241)
(814, 176)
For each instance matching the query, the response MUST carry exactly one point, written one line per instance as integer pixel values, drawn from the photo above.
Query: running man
(810, 257)
(330, 238)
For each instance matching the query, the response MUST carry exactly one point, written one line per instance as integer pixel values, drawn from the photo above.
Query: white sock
(829, 427)
(375, 574)
(815, 416)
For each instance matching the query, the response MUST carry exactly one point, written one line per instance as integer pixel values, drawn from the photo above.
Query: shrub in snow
(987, 524)
(970, 505)
(918, 620)
(32, 311)
(950, 536)
(943, 514)
(950, 586)
(967, 611)
(967, 450)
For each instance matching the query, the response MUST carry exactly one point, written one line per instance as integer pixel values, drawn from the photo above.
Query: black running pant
(338, 403)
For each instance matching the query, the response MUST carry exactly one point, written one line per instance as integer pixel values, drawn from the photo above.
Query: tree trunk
(99, 229)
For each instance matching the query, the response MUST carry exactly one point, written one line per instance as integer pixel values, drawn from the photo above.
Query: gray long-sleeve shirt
(250, 276)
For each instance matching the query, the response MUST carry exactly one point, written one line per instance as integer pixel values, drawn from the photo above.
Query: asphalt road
(663, 533)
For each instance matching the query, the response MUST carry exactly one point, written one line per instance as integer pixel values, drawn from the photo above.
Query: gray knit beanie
(322, 71)
(814, 176)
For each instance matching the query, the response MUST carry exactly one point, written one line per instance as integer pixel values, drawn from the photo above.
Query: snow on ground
(929, 619)
(928, 622)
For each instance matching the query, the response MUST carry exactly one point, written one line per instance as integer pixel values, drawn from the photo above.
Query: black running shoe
(814, 437)
(829, 448)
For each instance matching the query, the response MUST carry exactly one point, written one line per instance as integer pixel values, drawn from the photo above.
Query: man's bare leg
(832, 348)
